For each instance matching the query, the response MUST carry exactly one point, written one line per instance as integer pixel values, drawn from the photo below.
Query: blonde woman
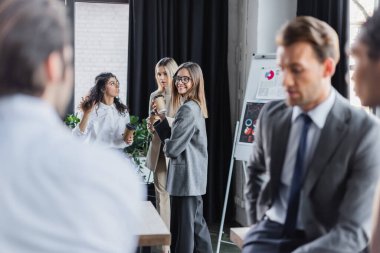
(186, 147)
(156, 161)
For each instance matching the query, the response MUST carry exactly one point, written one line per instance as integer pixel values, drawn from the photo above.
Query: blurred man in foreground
(315, 162)
(366, 77)
(56, 195)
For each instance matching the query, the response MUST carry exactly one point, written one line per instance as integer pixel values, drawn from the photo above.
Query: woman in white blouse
(103, 116)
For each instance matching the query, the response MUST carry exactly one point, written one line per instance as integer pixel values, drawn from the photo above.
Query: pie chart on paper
(269, 75)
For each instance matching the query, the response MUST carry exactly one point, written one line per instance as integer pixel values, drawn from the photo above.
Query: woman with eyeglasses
(185, 143)
(155, 160)
(103, 116)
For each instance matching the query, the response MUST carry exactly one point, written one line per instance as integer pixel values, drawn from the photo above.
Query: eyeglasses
(114, 84)
(183, 79)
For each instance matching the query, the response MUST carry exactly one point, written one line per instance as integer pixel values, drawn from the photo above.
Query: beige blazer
(155, 144)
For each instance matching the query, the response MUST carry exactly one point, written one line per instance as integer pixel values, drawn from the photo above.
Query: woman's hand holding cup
(156, 111)
(128, 133)
(130, 139)
(149, 125)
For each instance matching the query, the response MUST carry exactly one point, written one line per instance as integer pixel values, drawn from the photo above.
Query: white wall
(101, 45)
(252, 28)
(242, 42)
(272, 15)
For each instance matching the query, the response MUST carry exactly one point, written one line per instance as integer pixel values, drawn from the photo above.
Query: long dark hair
(97, 93)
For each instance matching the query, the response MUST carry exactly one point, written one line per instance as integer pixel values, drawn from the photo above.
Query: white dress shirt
(278, 210)
(105, 127)
(58, 194)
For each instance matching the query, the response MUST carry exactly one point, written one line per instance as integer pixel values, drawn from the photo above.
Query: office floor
(225, 247)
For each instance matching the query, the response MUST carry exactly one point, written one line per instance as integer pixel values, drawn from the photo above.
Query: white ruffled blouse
(105, 127)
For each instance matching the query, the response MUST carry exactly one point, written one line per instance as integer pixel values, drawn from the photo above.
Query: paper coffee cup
(153, 118)
(129, 130)
(160, 103)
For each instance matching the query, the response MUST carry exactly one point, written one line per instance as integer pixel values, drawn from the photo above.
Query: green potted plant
(142, 137)
(138, 149)
(71, 120)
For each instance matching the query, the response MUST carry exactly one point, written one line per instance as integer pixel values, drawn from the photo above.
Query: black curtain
(187, 30)
(336, 14)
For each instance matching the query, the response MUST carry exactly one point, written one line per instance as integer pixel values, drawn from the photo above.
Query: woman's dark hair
(97, 93)
(370, 35)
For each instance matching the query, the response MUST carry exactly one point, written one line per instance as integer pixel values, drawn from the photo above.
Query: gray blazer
(339, 184)
(187, 150)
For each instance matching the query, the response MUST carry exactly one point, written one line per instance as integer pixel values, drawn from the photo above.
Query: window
(359, 11)
(101, 44)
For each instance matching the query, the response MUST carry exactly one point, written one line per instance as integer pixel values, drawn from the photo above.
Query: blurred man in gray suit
(315, 163)
(366, 51)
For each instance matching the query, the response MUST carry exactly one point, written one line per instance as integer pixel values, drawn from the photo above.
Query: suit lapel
(332, 133)
(281, 128)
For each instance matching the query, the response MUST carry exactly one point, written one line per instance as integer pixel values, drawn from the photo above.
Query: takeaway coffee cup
(129, 130)
(153, 118)
(160, 104)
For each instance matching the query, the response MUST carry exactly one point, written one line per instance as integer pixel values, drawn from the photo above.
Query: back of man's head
(30, 30)
(370, 35)
(322, 37)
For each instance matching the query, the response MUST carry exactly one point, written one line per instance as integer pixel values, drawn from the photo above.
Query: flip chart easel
(264, 84)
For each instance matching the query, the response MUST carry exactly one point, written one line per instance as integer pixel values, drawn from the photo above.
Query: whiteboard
(264, 84)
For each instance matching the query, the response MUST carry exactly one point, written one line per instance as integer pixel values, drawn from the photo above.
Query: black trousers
(267, 237)
(188, 227)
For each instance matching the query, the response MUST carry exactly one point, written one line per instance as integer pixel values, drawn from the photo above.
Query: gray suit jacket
(187, 150)
(339, 184)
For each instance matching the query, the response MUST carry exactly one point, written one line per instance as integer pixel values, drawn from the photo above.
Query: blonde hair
(195, 93)
(170, 66)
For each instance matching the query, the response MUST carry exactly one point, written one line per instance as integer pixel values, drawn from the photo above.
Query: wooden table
(153, 231)
(237, 235)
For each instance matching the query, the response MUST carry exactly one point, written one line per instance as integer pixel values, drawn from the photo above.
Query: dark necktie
(295, 187)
